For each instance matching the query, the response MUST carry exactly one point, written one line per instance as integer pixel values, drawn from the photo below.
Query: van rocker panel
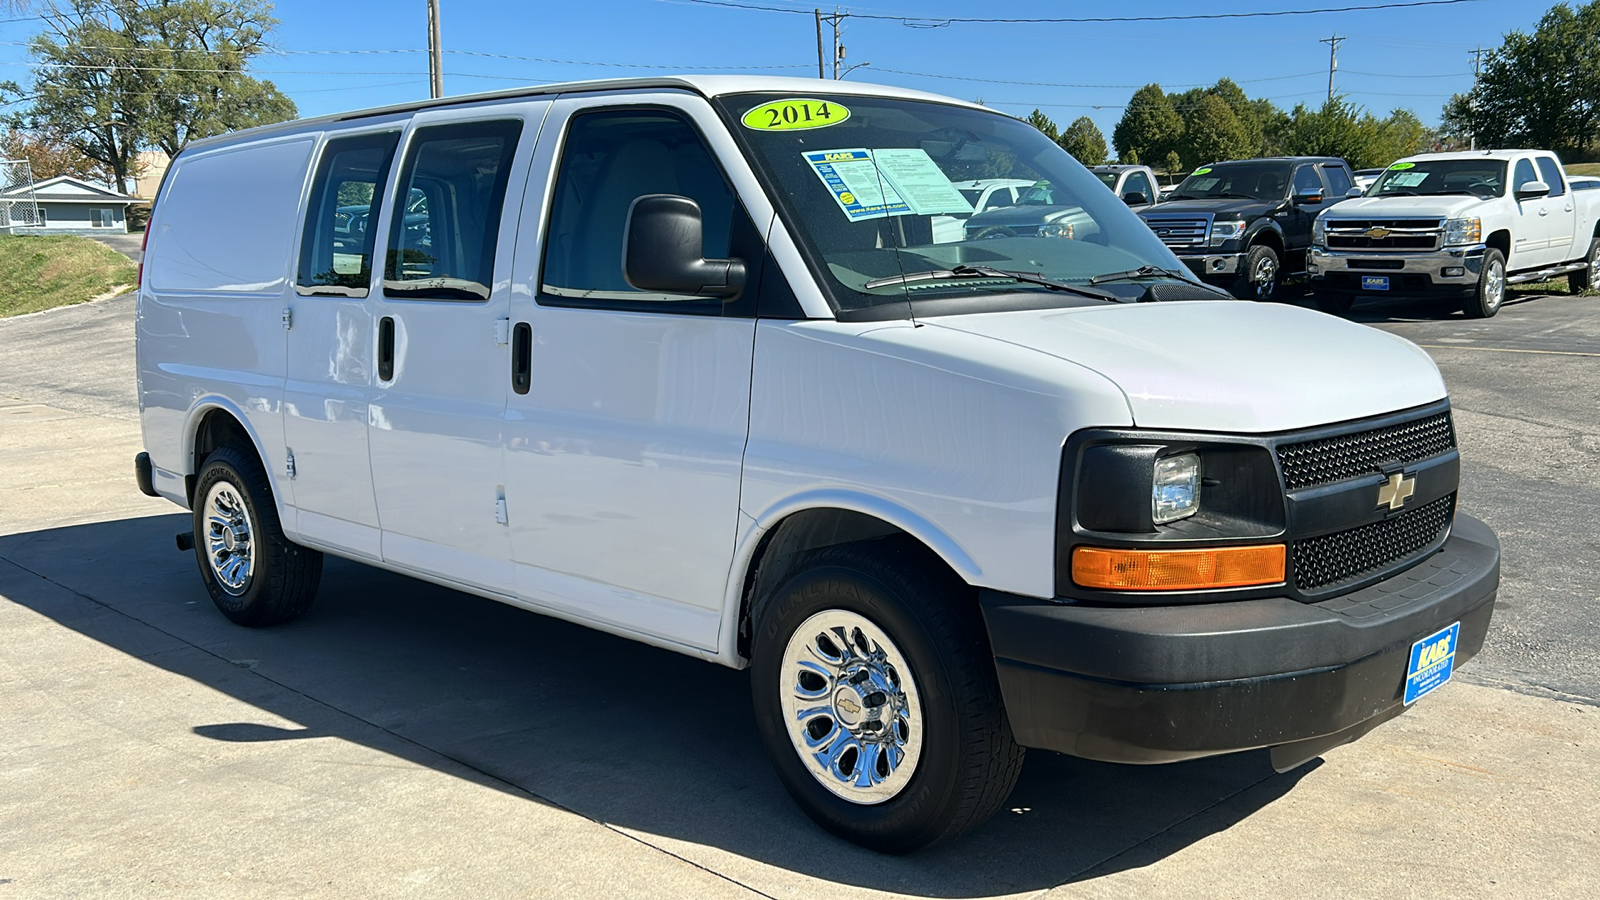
(1165, 683)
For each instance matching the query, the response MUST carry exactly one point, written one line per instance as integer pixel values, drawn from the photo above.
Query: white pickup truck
(1461, 224)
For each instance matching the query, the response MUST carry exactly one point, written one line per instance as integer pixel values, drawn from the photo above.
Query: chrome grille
(1403, 234)
(1321, 562)
(1180, 231)
(1330, 459)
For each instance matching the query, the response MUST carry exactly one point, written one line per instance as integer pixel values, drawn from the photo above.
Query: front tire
(1490, 293)
(876, 697)
(1258, 280)
(1587, 278)
(256, 576)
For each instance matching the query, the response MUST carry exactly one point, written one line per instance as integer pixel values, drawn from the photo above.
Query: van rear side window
(336, 252)
(442, 239)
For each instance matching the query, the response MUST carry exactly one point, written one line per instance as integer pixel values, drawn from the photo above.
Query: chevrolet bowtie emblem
(1377, 234)
(849, 706)
(1396, 491)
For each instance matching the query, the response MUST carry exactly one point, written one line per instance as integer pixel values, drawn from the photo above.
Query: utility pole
(435, 53)
(1472, 99)
(821, 73)
(1333, 58)
(838, 51)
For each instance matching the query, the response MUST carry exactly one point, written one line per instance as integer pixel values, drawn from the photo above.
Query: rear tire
(254, 574)
(1490, 293)
(875, 655)
(1259, 278)
(1587, 278)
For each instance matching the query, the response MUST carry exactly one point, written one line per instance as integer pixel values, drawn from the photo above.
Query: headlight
(1176, 494)
(1056, 229)
(1463, 231)
(1221, 232)
(1319, 231)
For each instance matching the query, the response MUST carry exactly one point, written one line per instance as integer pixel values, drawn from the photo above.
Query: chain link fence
(19, 207)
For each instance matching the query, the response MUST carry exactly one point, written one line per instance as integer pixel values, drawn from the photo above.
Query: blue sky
(1400, 57)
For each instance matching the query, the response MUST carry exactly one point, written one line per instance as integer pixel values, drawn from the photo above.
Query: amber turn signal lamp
(1177, 570)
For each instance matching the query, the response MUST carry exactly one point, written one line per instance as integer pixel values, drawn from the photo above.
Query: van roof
(705, 85)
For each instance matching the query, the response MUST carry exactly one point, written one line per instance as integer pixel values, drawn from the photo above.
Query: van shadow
(646, 740)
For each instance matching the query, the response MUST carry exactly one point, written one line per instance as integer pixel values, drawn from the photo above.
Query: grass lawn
(47, 271)
(1544, 288)
(1584, 169)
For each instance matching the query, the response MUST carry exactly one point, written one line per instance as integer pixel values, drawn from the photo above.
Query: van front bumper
(1154, 684)
(1453, 270)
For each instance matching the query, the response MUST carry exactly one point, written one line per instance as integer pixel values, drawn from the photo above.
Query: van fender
(198, 410)
(755, 527)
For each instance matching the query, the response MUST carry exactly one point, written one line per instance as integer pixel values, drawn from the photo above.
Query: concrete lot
(406, 740)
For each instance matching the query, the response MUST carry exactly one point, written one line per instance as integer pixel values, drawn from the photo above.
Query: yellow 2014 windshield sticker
(795, 114)
(1403, 165)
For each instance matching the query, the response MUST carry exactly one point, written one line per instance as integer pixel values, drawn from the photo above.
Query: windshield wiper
(962, 272)
(1399, 194)
(1141, 272)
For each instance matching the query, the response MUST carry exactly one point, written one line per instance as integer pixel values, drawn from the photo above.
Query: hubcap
(1594, 272)
(1494, 286)
(228, 531)
(851, 707)
(1265, 276)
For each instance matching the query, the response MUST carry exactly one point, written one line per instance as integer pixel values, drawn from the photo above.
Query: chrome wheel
(227, 537)
(1594, 271)
(1494, 286)
(1265, 276)
(850, 706)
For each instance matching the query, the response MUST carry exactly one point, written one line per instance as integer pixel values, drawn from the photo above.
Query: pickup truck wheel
(1491, 290)
(1334, 303)
(254, 574)
(876, 697)
(1587, 278)
(1258, 278)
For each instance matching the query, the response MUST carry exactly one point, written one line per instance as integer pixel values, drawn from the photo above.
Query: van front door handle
(521, 357)
(386, 348)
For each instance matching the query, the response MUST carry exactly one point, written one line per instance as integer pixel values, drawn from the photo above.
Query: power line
(1065, 85)
(941, 21)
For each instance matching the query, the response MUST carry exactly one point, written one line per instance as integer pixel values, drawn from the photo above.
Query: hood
(1446, 206)
(1229, 366)
(1225, 207)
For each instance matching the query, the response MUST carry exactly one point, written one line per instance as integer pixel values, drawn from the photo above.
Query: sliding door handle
(386, 348)
(521, 357)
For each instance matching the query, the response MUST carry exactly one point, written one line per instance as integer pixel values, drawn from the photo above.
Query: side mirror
(1532, 190)
(1355, 192)
(1304, 197)
(661, 247)
(1135, 198)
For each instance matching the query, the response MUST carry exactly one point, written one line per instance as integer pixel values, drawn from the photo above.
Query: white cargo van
(682, 359)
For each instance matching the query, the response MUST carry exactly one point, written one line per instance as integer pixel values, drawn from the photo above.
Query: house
(66, 206)
(152, 167)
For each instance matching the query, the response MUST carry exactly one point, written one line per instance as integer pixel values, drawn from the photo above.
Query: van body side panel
(955, 440)
(217, 279)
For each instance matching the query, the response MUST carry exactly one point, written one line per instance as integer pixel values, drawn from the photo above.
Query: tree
(1212, 133)
(1149, 126)
(1084, 141)
(49, 156)
(1173, 163)
(117, 75)
(1539, 90)
(1042, 122)
(1248, 112)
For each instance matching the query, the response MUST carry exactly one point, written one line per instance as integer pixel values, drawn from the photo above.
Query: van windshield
(870, 186)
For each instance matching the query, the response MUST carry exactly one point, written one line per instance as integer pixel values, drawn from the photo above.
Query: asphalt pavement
(406, 740)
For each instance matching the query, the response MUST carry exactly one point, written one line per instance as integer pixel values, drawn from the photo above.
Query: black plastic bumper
(144, 474)
(1165, 683)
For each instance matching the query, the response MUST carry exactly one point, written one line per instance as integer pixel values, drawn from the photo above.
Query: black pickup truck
(1246, 224)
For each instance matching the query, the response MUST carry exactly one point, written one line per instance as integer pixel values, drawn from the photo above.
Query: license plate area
(1433, 661)
(1374, 282)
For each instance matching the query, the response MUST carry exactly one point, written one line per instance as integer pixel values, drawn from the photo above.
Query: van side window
(1552, 175)
(609, 159)
(336, 251)
(442, 235)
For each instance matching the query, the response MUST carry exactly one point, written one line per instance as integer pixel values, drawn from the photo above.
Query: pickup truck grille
(1385, 234)
(1326, 460)
(1321, 562)
(1180, 231)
